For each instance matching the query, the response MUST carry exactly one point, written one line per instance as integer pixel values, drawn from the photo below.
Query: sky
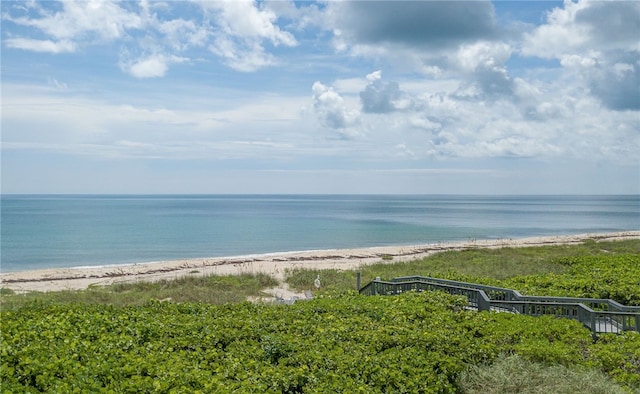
(338, 97)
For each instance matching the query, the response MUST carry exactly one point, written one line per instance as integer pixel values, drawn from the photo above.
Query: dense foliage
(417, 342)
(606, 276)
(114, 339)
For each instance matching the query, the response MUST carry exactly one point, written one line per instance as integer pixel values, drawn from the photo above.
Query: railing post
(358, 276)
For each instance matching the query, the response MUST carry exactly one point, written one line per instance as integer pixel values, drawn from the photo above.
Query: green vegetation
(549, 270)
(4, 291)
(210, 289)
(605, 276)
(514, 374)
(417, 342)
(122, 339)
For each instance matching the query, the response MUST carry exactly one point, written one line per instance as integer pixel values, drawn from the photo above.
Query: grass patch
(489, 265)
(330, 279)
(515, 374)
(206, 289)
(5, 291)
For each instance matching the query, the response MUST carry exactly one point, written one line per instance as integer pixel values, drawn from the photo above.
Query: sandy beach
(275, 264)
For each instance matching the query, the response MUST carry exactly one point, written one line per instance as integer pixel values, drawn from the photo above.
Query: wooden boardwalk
(598, 315)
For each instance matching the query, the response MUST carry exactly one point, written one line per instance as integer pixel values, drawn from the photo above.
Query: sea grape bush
(416, 342)
(410, 343)
(619, 355)
(615, 277)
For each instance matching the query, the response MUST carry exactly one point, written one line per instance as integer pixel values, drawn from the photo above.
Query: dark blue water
(62, 231)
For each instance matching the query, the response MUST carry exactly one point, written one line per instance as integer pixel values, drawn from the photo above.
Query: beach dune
(275, 264)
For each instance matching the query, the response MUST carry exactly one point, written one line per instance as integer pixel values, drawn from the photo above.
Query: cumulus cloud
(597, 41)
(150, 66)
(181, 34)
(425, 23)
(611, 25)
(331, 108)
(438, 39)
(236, 31)
(444, 125)
(586, 25)
(450, 70)
(244, 19)
(382, 97)
(617, 85)
(484, 63)
(102, 20)
(243, 27)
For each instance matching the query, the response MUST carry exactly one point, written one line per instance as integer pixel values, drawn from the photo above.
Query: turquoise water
(45, 231)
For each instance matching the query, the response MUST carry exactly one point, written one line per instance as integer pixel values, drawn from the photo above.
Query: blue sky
(321, 97)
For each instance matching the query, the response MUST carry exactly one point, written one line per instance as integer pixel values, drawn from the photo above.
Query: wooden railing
(598, 315)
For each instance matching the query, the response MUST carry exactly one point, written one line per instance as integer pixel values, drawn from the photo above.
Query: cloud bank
(320, 85)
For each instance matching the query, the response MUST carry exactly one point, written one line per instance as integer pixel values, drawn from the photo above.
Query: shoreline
(274, 264)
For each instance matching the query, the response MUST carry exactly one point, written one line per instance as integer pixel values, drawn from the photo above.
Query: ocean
(53, 231)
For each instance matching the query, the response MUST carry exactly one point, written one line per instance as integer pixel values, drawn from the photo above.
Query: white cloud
(242, 18)
(586, 26)
(484, 62)
(383, 97)
(352, 86)
(591, 39)
(456, 90)
(151, 66)
(30, 44)
(181, 34)
(298, 18)
(331, 109)
(423, 122)
(620, 70)
(482, 54)
(242, 29)
(543, 120)
(374, 76)
(552, 39)
(246, 56)
(582, 61)
(106, 20)
(236, 31)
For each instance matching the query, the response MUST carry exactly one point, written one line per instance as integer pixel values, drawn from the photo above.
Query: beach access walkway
(598, 315)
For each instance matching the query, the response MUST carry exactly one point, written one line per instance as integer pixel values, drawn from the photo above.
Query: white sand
(275, 264)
